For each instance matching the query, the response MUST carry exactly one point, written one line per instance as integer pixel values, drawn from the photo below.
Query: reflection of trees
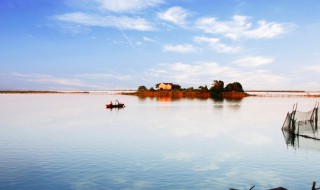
(233, 104)
(234, 100)
(218, 106)
(141, 98)
(218, 103)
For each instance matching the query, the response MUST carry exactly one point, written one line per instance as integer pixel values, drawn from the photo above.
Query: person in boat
(110, 103)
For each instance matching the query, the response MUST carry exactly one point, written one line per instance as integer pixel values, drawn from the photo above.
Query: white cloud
(176, 15)
(71, 28)
(313, 68)
(147, 39)
(116, 76)
(264, 80)
(123, 22)
(192, 74)
(185, 48)
(94, 81)
(49, 80)
(255, 61)
(267, 30)
(313, 85)
(305, 76)
(205, 72)
(128, 6)
(239, 27)
(215, 44)
(59, 81)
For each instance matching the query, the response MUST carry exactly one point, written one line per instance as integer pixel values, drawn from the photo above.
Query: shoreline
(65, 92)
(41, 92)
(284, 93)
(250, 93)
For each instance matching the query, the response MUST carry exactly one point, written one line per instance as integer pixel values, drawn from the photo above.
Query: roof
(167, 83)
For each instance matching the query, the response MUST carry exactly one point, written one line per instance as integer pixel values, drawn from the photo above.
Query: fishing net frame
(302, 123)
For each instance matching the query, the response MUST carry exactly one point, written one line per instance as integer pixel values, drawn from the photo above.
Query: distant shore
(40, 92)
(65, 92)
(255, 93)
(284, 93)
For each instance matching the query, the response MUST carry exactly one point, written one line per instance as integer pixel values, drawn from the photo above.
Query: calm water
(72, 142)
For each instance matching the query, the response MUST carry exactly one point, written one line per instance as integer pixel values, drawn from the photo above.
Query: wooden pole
(316, 119)
(313, 186)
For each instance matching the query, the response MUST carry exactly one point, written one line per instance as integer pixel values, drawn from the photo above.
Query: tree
(141, 88)
(217, 86)
(157, 85)
(151, 89)
(235, 87)
(203, 88)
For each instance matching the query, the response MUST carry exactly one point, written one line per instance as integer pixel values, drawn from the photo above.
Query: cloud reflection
(252, 138)
(209, 167)
(179, 156)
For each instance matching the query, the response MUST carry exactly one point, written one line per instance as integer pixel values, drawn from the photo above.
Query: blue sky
(122, 44)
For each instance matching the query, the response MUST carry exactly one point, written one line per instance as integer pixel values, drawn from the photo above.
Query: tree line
(216, 89)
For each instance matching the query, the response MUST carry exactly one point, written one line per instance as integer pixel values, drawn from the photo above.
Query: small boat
(116, 105)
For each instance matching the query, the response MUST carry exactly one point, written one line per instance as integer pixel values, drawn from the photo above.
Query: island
(217, 91)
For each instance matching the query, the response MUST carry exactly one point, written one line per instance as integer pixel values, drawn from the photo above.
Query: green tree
(151, 89)
(157, 85)
(216, 89)
(234, 87)
(203, 88)
(141, 88)
(217, 86)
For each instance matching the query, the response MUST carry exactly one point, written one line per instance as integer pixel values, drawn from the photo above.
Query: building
(168, 86)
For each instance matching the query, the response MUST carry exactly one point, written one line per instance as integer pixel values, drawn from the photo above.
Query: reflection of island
(233, 104)
(164, 99)
(217, 90)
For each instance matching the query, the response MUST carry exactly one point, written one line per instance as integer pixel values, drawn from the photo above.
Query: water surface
(70, 141)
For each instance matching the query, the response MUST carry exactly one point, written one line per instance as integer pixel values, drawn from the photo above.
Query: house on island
(168, 86)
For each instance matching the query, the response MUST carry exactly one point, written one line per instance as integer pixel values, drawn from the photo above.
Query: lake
(70, 141)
